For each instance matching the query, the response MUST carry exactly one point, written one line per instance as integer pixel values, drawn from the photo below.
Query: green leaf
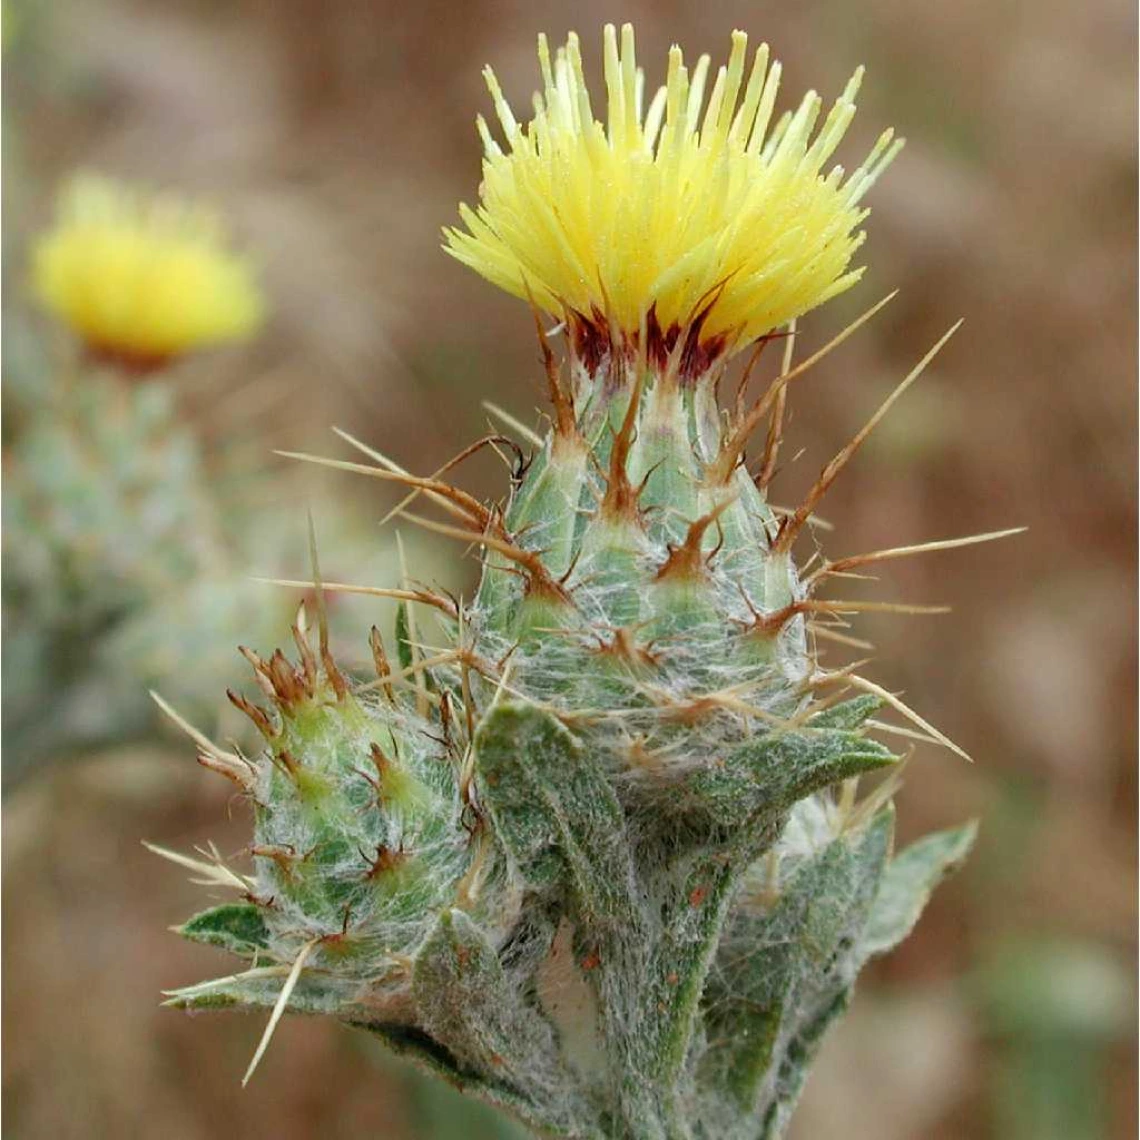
(555, 812)
(466, 1003)
(772, 772)
(784, 963)
(796, 1063)
(849, 715)
(255, 989)
(427, 1054)
(908, 883)
(237, 927)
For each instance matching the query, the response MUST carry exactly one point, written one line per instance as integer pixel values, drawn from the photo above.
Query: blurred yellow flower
(690, 217)
(142, 277)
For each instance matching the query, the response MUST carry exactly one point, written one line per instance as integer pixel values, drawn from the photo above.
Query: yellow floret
(688, 214)
(143, 278)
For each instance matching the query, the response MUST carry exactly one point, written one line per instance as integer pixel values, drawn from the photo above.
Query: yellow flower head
(142, 278)
(693, 219)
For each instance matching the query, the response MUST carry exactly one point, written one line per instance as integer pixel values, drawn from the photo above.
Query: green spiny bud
(360, 830)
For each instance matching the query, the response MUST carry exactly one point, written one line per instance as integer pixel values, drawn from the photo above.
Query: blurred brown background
(339, 135)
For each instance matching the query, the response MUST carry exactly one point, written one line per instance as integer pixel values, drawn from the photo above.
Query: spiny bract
(592, 847)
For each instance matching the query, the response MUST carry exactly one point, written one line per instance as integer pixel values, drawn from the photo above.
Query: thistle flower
(142, 278)
(639, 879)
(694, 219)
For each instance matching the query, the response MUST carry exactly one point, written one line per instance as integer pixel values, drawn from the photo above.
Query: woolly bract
(690, 213)
(142, 277)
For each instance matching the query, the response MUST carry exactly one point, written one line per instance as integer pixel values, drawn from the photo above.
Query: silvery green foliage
(121, 570)
(592, 866)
